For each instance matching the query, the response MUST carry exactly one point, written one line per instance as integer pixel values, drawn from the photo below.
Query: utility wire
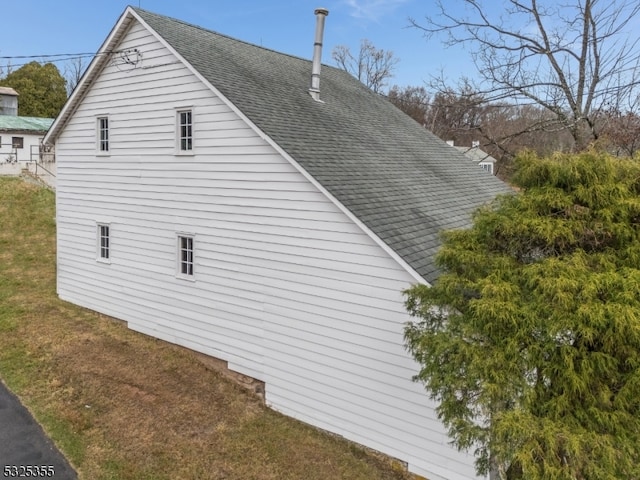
(15, 66)
(47, 56)
(50, 58)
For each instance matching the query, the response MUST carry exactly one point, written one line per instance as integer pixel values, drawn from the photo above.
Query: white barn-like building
(207, 198)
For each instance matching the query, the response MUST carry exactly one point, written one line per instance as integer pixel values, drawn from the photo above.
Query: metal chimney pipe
(321, 14)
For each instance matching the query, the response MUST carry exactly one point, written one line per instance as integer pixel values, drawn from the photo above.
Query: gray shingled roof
(400, 180)
(475, 154)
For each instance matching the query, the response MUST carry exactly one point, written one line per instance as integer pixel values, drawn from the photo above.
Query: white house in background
(208, 197)
(20, 137)
(8, 101)
(478, 156)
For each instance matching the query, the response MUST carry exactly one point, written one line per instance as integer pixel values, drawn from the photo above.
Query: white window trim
(99, 237)
(178, 139)
(99, 152)
(185, 276)
(488, 166)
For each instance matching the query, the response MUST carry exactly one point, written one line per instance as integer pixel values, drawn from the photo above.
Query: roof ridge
(193, 25)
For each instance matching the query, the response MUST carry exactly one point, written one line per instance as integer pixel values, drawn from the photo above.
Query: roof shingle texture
(475, 154)
(401, 181)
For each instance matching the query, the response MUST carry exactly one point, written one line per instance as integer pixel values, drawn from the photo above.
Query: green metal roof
(24, 124)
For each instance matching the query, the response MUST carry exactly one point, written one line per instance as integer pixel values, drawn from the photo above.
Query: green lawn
(121, 405)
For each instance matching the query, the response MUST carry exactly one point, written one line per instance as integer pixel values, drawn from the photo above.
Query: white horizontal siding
(287, 288)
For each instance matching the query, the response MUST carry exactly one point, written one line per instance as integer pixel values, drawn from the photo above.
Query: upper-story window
(488, 167)
(185, 130)
(103, 134)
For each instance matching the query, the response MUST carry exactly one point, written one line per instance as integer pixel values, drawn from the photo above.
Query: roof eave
(23, 131)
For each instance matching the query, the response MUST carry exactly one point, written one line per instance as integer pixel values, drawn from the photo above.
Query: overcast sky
(48, 27)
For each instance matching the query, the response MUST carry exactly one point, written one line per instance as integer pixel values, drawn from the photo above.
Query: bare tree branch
(73, 71)
(373, 66)
(573, 58)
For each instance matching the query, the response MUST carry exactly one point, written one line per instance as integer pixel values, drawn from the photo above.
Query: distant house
(8, 101)
(208, 197)
(20, 137)
(478, 156)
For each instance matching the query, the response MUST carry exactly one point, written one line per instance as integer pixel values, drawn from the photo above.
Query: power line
(14, 66)
(12, 57)
(51, 58)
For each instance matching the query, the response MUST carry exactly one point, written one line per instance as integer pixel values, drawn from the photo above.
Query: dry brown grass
(126, 406)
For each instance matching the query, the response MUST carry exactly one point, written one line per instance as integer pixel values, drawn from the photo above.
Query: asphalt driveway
(24, 445)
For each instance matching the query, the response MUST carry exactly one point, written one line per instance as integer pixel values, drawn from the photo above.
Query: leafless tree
(457, 114)
(73, 71)
(572, 58)
(414, 101)
(620, 133)
(372, 66)
(502, 129)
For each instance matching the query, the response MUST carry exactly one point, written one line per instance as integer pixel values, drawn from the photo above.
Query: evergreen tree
(41, 88)
(530, 339)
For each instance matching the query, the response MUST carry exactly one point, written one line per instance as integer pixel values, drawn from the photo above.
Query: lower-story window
(104, 242)
(185, 255)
